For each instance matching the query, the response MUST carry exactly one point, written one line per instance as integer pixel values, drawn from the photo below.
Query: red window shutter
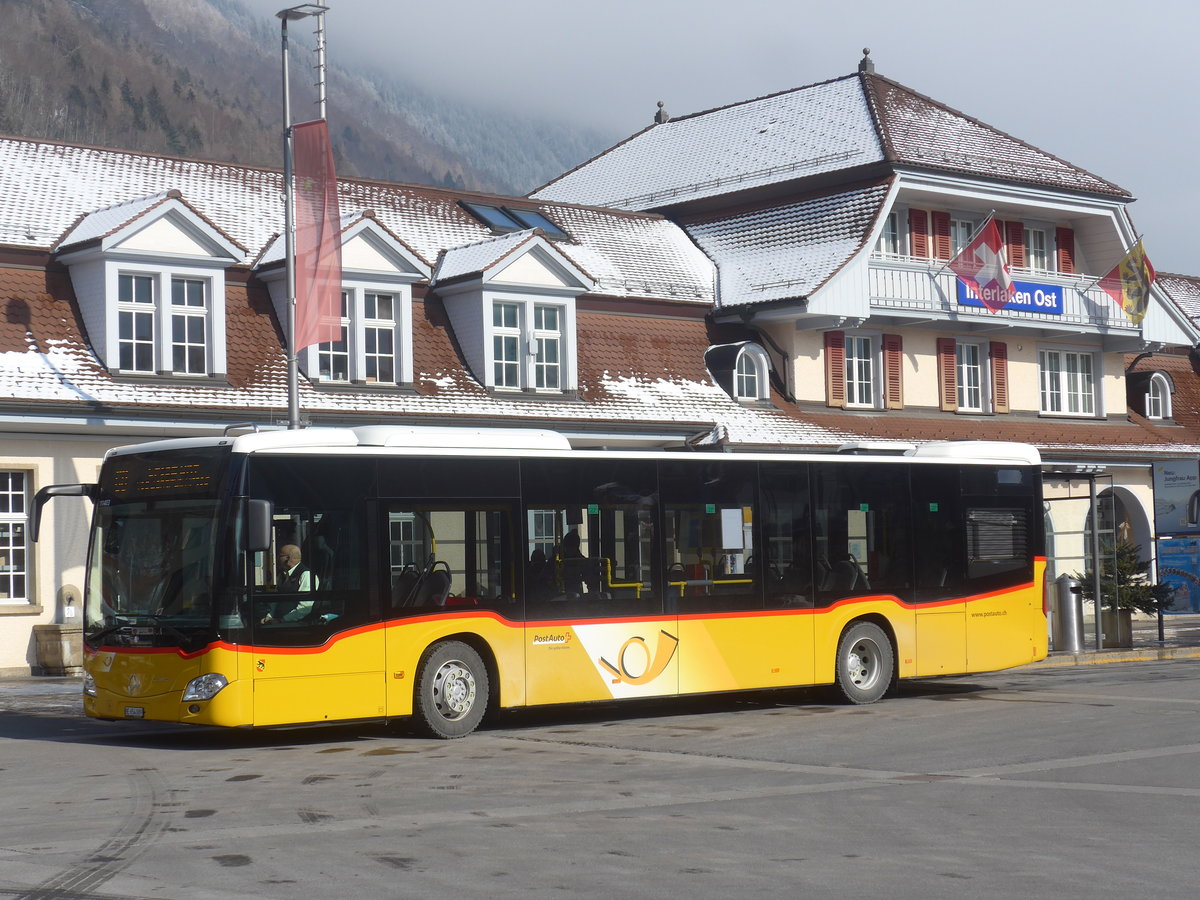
(1014, 235)
(947, 374)
(893, 371)
(1064, 240)
(998, 353)
(835, 368)
(918, 233)
(941, 235)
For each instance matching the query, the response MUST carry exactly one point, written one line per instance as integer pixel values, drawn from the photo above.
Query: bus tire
(865, 663)
(452, 691)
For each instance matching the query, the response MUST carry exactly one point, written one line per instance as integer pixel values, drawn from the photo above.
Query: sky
(1108, 86)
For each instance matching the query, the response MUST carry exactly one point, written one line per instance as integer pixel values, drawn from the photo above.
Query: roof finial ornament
(866, 64)
(662, 116)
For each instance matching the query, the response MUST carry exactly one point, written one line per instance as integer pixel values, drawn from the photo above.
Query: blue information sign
(1030, 297)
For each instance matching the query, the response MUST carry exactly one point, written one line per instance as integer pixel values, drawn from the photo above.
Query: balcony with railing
(914, 287)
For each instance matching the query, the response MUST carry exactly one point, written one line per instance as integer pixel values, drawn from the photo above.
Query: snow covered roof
(1184, 290)
(788, 251)
(639, 373)
(832, 126)
(47, 188)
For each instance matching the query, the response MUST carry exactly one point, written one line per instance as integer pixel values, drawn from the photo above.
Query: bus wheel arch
(453, 688)
(865, 665)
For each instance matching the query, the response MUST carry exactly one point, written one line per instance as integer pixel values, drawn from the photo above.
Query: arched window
(750, 374)
(1158, 397)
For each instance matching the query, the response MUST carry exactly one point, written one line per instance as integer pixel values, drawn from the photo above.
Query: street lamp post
(291, 14)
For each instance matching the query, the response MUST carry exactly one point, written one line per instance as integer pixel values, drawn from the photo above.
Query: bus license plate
(134, 712)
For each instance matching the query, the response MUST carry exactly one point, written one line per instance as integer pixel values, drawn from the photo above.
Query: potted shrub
(1125, 576)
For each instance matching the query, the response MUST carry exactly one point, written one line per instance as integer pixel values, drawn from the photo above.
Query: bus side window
(443, 556)
(786, 558)
(863, 530)
(589, 546)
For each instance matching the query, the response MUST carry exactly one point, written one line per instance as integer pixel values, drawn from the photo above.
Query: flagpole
(1137, 238)
(295, 13)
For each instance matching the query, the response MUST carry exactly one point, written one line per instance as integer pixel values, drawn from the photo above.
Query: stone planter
(1118, 632)
(59, 649)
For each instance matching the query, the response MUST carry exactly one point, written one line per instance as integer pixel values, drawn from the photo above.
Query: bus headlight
(89, 685)
(205, 687)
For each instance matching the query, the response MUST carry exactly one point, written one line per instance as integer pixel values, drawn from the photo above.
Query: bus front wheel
(452, 691)
(865, 663)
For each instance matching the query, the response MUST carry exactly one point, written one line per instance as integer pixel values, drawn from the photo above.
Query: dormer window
(511, 301)
(518, 324)
(1158, 397)
(503, 219)
(378, 272)
(742, 370)
(369, 351)
(151, 287)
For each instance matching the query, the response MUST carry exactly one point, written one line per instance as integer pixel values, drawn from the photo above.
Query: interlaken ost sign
(1029, 297)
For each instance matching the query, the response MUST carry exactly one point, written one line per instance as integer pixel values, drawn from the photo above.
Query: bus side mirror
(259, 514)
(46, 494)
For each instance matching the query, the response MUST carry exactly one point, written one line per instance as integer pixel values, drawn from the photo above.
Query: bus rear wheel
(865, 663)
(452, 691)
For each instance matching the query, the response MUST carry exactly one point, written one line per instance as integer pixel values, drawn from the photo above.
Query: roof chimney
(865, 64)
(662, 115)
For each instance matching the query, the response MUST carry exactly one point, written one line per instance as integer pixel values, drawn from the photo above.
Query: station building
(770, 275)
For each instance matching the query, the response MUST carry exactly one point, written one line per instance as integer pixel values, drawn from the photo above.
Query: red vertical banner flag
(1129, 283)
(318, 237)
(981, 267)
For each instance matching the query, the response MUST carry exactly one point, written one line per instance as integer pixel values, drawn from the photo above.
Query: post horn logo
(654, 664)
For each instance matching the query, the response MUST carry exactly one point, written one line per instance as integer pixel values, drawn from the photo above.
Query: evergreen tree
(1125, 574)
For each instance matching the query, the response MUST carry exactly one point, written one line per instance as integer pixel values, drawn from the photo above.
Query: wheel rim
(863, 664)
(453, 689)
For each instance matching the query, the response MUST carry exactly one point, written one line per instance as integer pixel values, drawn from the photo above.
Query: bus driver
(294, 577)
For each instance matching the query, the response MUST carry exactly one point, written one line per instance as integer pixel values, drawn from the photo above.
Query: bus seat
(403, 586)
(434, 590)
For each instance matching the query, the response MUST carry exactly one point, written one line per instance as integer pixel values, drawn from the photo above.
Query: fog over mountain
(202, 78)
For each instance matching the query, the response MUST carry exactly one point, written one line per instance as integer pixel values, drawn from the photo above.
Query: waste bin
(1068, 615)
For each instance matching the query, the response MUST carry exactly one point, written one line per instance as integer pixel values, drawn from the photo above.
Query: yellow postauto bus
(326, 574)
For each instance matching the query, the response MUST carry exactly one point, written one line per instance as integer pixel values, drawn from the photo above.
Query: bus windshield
(152, 569)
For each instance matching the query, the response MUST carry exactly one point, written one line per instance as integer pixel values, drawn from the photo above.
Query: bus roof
(538, 440)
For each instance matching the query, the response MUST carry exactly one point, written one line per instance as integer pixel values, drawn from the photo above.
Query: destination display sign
(1030, 296)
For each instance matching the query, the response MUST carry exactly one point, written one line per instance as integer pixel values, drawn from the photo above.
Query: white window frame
(547, 338)
(164, 312)
(1158, 398)
(1036, 237)
(375, 327)
(1059, 386)
(132, 310)
(12, 520)
(858, 396)
(981, 368)
(333, 357)
(754, 383)
(534, 370)
(961, 232)
(889, 243)
(357, 331)
(189, 314)
(506, 345)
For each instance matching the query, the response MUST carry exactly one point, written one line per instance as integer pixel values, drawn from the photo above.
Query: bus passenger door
(596, 623)
(451, 574)
(318, 642)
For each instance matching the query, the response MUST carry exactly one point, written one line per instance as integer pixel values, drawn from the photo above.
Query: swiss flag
(981, 267)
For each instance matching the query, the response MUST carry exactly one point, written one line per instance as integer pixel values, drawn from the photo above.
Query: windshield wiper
(167, 626)
(93, 639)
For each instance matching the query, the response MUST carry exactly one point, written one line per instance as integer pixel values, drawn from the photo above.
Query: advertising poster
(1177, 497)
(1179, 566)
